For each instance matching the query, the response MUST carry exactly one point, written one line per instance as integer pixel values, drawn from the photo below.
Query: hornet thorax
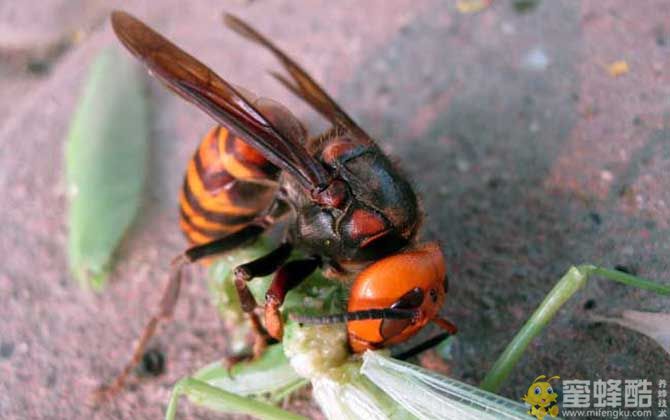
(370, 210)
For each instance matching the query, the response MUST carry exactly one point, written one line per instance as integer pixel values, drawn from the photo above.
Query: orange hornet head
(397, 296)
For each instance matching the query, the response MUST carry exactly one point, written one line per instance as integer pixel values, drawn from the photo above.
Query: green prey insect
(373, 385)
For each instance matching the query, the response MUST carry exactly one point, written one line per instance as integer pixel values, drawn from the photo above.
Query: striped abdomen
(226, 186)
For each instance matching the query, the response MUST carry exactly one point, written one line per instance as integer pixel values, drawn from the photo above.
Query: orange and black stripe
(225, 187)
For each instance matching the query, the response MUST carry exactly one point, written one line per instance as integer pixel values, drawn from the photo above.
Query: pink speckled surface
(525, 165)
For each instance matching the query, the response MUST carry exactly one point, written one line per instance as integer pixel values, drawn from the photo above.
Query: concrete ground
(529, 154)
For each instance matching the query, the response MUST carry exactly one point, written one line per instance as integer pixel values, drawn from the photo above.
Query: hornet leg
(260, 267)
(171, 295)
(288, 276)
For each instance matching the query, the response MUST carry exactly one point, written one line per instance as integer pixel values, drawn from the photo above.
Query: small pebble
(661, 38)
(463, 165)
(618, 68)
(22, 348)
(494, 183)
(535, 59)
(153, 363)
(37, 66)
(508, 28)
(595, 218)
(589, 304)
(6, 350)
(606, 175)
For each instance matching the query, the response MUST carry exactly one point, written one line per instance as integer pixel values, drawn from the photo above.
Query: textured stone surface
(529, 156)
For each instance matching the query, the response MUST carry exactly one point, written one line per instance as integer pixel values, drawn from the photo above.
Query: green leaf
(106, 157)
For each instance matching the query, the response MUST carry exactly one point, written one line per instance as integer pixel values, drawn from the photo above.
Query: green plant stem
(567, 286)
(214, 398)
(572, 281)
(628, 279)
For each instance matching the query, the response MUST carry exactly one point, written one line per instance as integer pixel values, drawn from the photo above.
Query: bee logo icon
(542, 398)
